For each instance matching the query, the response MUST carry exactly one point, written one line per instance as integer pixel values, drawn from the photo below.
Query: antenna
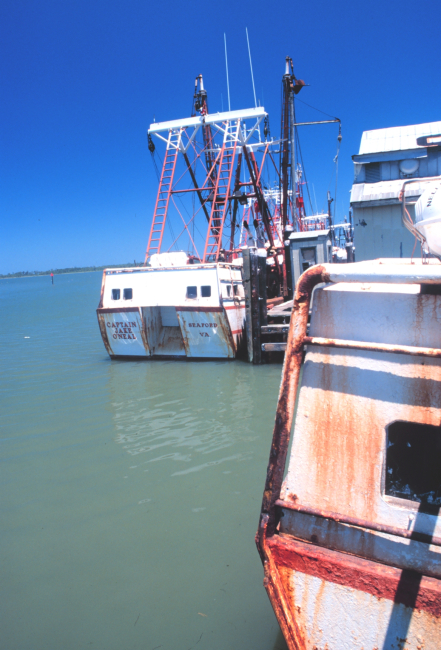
(226, 65)
(251, 66)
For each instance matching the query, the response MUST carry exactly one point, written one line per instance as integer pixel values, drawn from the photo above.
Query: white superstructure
(195, 311)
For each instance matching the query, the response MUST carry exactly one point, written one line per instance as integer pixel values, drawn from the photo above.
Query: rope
(317, 109)
(304, 171)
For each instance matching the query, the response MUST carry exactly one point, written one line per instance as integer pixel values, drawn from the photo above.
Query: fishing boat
(194, 311)
(220, 194)
(350, 525)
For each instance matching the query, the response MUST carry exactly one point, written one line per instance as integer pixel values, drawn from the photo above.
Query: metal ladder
(164, 193)
(221, 193)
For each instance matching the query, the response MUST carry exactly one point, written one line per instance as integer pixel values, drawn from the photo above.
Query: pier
(267, 319)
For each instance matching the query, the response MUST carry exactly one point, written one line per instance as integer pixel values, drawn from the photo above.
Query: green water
(130, 489)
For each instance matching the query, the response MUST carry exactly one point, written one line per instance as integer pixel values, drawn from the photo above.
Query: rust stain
(102, 290)
(144, 333)
(103, 330)
(185, 333)
(279, 595)
(340, 448)
(279, 447)
(298, 610)
(364, 575)
(374, 347)
(151, 326)
(226, 331)
(288, 388)
(171, 338)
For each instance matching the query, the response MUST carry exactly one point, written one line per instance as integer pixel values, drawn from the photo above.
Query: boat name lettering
(123, 330)
(202, 325)
(123, 324)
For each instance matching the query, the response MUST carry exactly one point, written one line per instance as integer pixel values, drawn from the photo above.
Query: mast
(201, 106)
(200, 181)
(285, 145)
(290, 86)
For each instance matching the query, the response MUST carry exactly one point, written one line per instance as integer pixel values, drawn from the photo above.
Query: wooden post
(255, 307)
(254, 282)
(246, 277)
(261, 263)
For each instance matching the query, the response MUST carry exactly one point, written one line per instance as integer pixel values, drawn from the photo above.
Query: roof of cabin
(396, 138)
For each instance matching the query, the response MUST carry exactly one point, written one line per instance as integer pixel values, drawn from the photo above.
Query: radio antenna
(251, 66)
(226, 65)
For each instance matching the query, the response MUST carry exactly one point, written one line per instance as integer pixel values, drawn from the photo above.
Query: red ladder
(221, 195)
(164, 193)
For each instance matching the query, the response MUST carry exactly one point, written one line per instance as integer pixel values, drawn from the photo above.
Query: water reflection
(196, 437)
(204, 410)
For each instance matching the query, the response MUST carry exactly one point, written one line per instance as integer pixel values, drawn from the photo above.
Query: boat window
(228, 288)
(236, 289)
(372, 172)
(128, 294)
(192, 292)
(413, 459)
(116, 294)
(308, 258)
(206, 291)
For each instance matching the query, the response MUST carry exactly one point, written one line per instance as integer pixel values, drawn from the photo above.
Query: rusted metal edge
(279, 448)
(288, 391)
(361, 523)
(199, 308)
(103, 330)
(102, 290)
(375, 347)
(279, 599)
(380, 580)
(117, 310)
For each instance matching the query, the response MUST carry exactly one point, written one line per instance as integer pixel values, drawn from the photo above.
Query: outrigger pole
(226, 140)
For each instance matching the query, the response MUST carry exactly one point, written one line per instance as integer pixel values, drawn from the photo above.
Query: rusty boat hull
(350, 526)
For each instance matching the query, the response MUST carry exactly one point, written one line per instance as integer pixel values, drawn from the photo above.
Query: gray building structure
(309, 248)
(387, 158)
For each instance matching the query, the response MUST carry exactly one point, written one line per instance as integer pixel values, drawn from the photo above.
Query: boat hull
(139, 333)
(196, 312)
(350, 531)
(327, 599)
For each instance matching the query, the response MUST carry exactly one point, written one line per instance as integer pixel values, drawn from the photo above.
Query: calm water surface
(130, 490)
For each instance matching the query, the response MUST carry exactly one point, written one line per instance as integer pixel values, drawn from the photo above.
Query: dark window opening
(206, 291)
(236, 289)
(372, 172)
(228, 286)
(116, 294)
(413, 462)
(192, 292)
(308, 258)
(128, 294)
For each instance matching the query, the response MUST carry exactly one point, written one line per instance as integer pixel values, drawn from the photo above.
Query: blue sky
(82, 81)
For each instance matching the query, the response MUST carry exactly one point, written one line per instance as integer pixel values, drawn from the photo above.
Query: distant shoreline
(67, 271)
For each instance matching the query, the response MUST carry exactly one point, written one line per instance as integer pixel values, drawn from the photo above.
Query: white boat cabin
(194, 310)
